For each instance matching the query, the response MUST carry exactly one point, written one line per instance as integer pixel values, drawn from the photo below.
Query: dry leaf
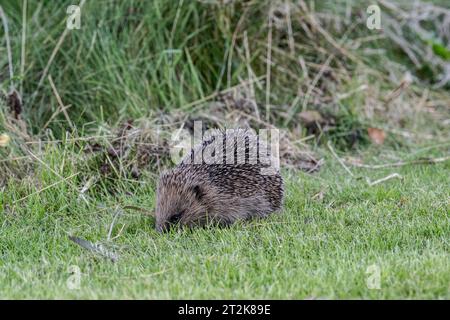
(310, 116)
(4, 140)
(377, 136)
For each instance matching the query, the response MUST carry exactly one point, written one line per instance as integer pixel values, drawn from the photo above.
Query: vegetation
(86, 117)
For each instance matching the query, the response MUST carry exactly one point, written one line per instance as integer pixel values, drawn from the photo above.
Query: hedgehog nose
(162, 227)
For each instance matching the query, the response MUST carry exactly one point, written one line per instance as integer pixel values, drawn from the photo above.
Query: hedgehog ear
(198, 192)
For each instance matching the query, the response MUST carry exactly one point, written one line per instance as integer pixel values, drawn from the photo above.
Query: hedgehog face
(179, 201)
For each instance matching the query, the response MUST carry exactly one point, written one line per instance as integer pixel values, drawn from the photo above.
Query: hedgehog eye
(176, 217)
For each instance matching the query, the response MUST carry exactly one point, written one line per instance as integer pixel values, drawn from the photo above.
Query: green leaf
(441, 51)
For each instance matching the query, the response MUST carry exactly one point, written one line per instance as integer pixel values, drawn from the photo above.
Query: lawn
(334, 233)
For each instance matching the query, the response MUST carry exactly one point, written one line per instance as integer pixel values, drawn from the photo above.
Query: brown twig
(339, 159)
(142, 210)
(389, 177)
(400, 163)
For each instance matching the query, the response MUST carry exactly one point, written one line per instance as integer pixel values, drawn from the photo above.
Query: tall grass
(149, 59)
(134, 59)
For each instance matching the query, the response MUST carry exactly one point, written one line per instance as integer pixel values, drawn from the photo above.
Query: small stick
(145, 211)
(404, 84)
(339, 159)
(391, 176)
(401, 163)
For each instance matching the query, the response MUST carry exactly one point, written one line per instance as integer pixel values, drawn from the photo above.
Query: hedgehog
(229, 176)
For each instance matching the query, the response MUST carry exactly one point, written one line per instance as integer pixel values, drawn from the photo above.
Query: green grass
(317, 247)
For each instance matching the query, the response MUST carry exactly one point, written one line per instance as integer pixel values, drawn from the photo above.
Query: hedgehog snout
(162, 227)
(166, 224)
